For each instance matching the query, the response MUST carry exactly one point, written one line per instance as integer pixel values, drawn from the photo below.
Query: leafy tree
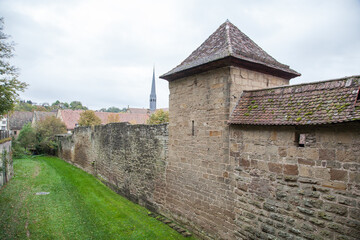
(88, 118)
(9, 84)
(76, 105)
(27, 136)
(113, 109)
(25, 141)
(113, 118)
(45, 134)
(158, 117)
(27, 107)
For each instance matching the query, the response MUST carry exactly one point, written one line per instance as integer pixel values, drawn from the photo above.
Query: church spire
(153, 93)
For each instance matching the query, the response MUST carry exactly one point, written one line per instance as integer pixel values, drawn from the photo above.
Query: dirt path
(36, 171)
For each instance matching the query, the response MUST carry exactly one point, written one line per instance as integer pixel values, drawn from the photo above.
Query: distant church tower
(153, 94)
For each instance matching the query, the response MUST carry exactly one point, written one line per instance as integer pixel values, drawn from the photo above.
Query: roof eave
(294, 124)
(230, 61)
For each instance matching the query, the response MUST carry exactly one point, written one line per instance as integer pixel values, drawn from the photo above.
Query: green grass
(78, 207)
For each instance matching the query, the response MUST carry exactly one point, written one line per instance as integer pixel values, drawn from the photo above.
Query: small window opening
(358, 95)
(300, 139)
(193, 128)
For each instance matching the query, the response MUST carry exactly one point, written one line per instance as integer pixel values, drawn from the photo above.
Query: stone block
(277, 217)
(354, 213)
(275, 167)
(325, 216)
(326, 154)
(329, 197)
(354, 177)
(306, 162)
(339, 175)
(313, 203)
(267, 229)
(215, 133)
(291, 169)
(336, 208)
(336, 227)
(311, 154)
(306, 171)
(295, 231)
(334, 185)
(317, 222)
(306, 211)
(343, 155)
(346, 201)
(282, 152)
(322, 173)
(244, 163)
(269, 207)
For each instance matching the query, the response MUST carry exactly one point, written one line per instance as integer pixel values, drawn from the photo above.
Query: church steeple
(153, 94)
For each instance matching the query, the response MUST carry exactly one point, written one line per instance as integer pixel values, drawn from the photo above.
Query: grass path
(78, 207)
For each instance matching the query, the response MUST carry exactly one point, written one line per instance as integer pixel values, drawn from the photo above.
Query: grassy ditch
(78, 206)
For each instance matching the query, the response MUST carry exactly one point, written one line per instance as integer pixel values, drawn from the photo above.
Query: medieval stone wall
(244, 79)
(6, 163)
(230, 182)
(199, 176)
(287, 190)
(130, 159)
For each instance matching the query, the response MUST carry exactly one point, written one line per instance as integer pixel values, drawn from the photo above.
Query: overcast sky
(102, 52)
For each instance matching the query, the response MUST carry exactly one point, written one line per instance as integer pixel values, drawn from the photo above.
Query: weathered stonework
(279, 180)
(289, 192)
(131, 159)
(6, 163)
(199, 177)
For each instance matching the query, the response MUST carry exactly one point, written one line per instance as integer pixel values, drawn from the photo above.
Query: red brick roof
(138, 110)
(232, 47)
(71, 117)
(326, 102)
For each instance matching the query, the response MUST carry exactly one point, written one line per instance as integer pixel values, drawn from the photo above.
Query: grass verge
(78, 207)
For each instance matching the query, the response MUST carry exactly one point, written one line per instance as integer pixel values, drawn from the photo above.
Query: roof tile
(229, 41)
(324, 102)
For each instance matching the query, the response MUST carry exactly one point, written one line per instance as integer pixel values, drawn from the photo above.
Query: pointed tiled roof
(325, 102)
(228, 46)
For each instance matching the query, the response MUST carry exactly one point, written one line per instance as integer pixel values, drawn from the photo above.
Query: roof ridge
(229, 43)
(228, 40)
(302, 84)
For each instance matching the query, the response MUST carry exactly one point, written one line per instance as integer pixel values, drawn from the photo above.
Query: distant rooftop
(228, 46)
(18, 119)
(326, 102)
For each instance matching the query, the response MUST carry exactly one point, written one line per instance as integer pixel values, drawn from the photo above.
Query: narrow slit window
(193, 128)
(358, 96)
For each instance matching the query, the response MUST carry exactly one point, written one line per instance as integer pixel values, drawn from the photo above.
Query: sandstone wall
(286, 191)
(199, 177)
(131, 159)
(6, 163)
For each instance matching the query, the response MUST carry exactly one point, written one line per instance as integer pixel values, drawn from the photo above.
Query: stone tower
(204, 89)
(153, 94)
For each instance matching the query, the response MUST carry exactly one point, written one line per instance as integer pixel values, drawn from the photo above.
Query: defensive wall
(223, 176)
(131, 159)
(6, 163)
